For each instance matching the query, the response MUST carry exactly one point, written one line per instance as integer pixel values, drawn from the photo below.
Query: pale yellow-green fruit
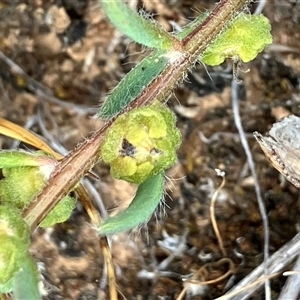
(245, 37)
(142, 143)
(25, 174)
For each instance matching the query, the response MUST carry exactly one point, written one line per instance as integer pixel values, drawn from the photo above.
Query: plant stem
(79, 161)
(66, 175)
(194, 44)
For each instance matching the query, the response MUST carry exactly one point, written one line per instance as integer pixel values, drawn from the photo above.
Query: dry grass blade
(291, 288)
(258, 282)
(204, 271)
(212, 213)
(17, 132)
(262, 209)
(276, 263)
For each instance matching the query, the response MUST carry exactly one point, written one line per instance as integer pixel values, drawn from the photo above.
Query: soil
(68, 50)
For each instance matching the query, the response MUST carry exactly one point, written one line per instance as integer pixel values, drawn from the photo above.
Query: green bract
(246, 36)
(14, 243)
(25, 174)
(60, 213)
(25, 282)
(141, 143)
(20, 185)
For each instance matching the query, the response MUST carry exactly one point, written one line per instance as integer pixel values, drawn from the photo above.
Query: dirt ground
(68, 50)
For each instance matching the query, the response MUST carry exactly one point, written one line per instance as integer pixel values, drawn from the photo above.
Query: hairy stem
(194, 44)
(79, 161)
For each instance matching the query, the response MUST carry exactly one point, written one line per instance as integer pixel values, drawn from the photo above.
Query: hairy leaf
(140, 209)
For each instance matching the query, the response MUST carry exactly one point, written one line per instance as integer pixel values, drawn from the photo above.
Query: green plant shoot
(132, 153)
(243, 39)
(139, 145)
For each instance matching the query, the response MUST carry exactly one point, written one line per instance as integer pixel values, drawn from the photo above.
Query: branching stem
(79, 161)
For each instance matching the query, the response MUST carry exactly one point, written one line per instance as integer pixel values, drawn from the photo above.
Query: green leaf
(60, 213)
(141, 30)
(14, 243)
(9, 261)
(139, 211)
(133, 84)
(13, 225)
(25, 282)
(20, 158)
(245, 37)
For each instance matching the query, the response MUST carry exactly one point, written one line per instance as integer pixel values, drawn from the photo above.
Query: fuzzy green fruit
(25, 174)
(142, 143)
(245, 37)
